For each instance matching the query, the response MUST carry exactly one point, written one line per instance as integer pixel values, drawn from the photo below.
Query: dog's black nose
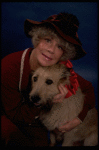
(35, 98)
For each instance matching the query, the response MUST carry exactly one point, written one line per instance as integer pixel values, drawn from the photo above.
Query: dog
(45, 81)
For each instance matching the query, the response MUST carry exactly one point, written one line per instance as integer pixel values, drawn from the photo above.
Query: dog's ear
(65, 76)
(65, 72)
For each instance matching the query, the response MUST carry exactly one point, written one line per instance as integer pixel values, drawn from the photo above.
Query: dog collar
(73, 87)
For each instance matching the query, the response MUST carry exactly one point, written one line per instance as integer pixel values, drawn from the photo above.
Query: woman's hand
(68, 126)
(60, 97)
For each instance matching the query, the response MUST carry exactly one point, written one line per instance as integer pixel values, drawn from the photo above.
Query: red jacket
(12, 100)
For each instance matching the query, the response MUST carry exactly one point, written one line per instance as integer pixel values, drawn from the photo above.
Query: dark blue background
(13, 15)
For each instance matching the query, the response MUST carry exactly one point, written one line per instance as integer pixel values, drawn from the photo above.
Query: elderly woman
(55, 40)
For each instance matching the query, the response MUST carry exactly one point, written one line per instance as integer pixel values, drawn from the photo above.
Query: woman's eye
(60, 47)
(47, 40)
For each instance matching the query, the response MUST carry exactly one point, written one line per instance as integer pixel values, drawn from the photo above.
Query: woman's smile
(47, 57)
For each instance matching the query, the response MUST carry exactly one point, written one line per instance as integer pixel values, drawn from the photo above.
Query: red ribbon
(72, 88)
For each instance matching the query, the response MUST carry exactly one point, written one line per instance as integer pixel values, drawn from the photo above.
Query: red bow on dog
(72, 88)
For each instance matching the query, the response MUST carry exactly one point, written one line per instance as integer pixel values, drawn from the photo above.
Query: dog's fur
(45, 81)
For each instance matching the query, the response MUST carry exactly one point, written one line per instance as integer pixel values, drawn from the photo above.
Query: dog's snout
(35, 98)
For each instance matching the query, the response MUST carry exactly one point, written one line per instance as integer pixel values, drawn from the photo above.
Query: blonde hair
(40, 32)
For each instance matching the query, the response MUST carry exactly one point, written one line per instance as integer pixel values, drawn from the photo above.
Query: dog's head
(45, 81)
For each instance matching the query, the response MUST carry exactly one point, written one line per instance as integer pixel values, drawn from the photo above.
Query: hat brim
(28, 25)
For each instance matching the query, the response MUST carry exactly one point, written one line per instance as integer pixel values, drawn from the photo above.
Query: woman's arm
(89, 101)
(12, 103)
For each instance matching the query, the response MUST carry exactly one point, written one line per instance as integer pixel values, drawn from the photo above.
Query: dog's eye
(48, 81)
(35, 79)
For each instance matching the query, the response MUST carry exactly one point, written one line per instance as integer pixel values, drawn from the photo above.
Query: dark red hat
(65, 24)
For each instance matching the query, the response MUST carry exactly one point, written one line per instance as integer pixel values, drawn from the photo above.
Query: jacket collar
(24, 70)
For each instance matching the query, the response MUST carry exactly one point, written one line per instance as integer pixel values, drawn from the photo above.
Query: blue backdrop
(13, 15)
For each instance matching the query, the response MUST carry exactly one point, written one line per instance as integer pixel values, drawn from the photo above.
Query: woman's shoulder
(83, 83)
(10, 67)
(13, 57)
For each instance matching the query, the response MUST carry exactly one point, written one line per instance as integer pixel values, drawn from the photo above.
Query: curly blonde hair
(40, 32)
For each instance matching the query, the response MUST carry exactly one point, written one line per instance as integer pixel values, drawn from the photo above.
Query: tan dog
(45, 81)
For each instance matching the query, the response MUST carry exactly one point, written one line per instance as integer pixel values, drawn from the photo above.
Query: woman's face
(48, 52)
